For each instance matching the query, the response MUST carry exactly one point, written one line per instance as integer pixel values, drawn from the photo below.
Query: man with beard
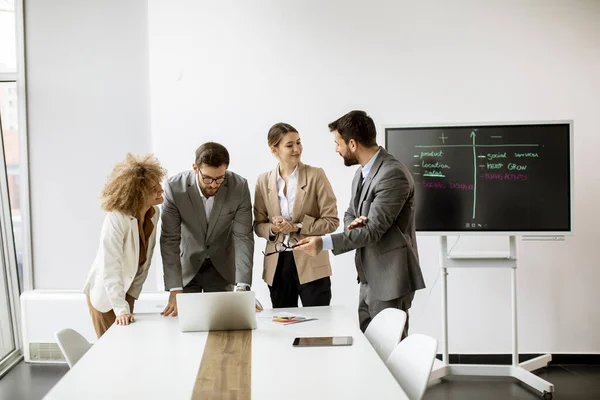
(206, 242)
(379, 223)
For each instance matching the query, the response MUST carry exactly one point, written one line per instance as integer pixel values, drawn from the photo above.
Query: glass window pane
(7, 343)
(10, 134)
(8, 37)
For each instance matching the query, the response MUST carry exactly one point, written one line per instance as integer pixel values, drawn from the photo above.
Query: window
(13, 183)
(11, 141)
(8, 37)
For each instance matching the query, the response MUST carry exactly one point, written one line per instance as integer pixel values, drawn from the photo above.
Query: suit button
(207, 247)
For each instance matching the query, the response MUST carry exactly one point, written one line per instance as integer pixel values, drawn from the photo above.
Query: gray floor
(571, 382)
(30, 381)
(33, 381)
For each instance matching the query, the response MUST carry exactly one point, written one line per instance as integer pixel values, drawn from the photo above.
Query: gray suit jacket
(386, 247)
(187, 238)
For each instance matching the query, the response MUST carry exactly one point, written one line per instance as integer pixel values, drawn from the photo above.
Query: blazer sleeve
(243, 238)
(327, 221)
(390, 194)
(262, 223)
(113, 237)
(170, 241)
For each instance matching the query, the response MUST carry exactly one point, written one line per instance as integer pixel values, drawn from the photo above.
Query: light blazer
(386, 247)
(315, 206)
(187, 238)
(114, 270)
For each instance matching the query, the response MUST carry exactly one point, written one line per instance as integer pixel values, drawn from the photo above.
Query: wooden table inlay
(225, 369)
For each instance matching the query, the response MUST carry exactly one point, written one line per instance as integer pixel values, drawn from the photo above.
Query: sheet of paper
(286, 318)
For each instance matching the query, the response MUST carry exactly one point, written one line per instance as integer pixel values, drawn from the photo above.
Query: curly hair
(127, 185)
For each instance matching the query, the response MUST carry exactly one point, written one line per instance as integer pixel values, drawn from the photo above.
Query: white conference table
(152, 359)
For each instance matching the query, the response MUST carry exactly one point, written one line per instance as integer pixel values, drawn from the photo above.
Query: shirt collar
(292, 175)
(149, 214)
(367, 168)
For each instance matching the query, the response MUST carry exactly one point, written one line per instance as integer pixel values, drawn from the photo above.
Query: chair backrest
(411, 363)
(385, 330)
(72, 345)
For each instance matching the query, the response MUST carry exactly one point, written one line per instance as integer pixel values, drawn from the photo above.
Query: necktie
(358, 191)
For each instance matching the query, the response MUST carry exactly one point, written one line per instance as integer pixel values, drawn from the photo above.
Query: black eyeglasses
(208, 180)
(280, 247)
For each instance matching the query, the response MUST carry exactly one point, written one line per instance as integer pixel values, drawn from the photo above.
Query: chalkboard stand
(520, 371)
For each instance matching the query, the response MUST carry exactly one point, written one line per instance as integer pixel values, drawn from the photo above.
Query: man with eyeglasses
(206, 242)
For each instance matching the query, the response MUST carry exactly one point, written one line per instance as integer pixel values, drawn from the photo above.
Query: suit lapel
(273, 194)
(217, 206)
(196, 199)
(136, 238)
(300, 191)
(374, 169)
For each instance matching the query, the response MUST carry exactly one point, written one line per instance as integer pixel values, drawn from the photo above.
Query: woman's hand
(124, 319)
(287, 227)
(276, 224)
(282, 225)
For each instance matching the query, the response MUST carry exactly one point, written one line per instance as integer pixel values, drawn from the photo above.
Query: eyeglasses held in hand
(280, 247)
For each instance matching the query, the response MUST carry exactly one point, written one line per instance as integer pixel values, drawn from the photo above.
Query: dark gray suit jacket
(386, 247)
(187, 238)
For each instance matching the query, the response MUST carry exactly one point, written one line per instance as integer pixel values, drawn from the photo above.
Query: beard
(349, 159)
(208, 191)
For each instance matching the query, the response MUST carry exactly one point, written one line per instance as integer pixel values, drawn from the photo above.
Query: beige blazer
(315, 206)
(113, 273)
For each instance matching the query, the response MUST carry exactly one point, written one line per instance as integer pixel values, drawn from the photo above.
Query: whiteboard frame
(536, 234)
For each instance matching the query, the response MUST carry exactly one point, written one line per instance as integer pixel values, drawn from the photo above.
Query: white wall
(88, 105)
(228, 70)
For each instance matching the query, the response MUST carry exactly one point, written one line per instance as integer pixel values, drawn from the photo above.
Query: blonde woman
(292, 201)
(130, 197)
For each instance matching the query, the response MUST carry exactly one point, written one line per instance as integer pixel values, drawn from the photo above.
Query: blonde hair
(127, 185)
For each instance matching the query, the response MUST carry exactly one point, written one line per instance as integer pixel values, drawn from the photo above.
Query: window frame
(7, 237)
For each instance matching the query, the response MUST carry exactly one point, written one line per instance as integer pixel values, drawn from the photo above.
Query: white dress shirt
(286, 200)
(208, 202)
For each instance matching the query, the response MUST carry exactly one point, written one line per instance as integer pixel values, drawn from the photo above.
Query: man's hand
(124, 319)
(357, 223)
(311, 245)
(171, 308)
(240, 287)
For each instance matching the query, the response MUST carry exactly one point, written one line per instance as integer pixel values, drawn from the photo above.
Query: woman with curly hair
(130, 197)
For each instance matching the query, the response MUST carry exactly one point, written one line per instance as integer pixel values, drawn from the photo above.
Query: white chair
(72, 345)
(411, 363)
(385, 331)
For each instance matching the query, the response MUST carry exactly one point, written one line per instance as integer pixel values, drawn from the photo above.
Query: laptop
(216, 311)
